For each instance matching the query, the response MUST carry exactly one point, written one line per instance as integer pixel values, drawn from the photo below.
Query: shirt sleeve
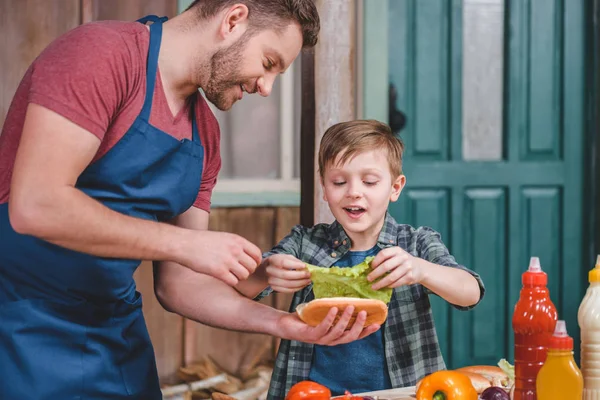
(291, 244)
(84, 76)
(431, 248)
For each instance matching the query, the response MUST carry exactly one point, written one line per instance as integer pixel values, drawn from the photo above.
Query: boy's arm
(443, 276)
(257, 286)
(455, 285)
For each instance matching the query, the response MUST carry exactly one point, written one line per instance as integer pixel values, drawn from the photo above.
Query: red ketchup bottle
(533, 324)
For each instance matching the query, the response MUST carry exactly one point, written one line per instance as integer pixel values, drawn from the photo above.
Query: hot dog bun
(313, 312)
(494, 374)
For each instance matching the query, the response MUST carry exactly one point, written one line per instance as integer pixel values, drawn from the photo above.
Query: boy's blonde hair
(353, 137)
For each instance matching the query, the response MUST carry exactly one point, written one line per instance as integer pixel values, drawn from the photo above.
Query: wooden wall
(26, 28)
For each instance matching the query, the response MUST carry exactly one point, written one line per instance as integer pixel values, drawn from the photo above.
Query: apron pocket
(138, 366)
(42, 352)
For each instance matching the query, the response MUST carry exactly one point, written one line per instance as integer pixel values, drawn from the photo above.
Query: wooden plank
(166, 329)
(287, 217)
(131, 10)
(87, 11)
(335, 77)
(235, 352)
(26, 28)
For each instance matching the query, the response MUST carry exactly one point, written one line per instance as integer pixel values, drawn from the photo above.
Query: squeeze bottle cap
(560, 340)
(594, 275)
(535, 275)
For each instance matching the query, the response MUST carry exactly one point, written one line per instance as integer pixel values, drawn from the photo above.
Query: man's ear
(397, 187)
(235, 21)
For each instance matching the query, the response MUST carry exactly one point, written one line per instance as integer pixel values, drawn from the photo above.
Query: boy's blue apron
(71, 324)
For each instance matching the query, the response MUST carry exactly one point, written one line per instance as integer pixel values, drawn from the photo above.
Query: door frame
(591, 192)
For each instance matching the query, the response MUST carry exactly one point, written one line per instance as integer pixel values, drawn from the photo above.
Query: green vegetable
(508, 369)
(346, 282)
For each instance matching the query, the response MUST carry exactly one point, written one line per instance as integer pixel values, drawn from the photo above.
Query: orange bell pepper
(446, 385)
(308, 390)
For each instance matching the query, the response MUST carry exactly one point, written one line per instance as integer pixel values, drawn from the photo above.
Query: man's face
(251, 65)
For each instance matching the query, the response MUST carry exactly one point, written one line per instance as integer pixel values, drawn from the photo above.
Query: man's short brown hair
(350, 138)
(270, 14)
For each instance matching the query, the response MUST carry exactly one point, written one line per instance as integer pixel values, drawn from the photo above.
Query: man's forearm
(211, 302)
(255, 284)
(454, 285)
(74, 220)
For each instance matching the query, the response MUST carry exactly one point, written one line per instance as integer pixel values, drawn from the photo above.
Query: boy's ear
(397, 187)
(323, 190)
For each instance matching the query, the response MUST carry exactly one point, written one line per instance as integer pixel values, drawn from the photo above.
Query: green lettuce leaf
(346, 282)
(508, 369)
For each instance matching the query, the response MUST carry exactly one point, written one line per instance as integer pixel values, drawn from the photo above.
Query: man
(108, 156)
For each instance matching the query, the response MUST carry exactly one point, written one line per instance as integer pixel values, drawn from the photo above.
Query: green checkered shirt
(411, 344)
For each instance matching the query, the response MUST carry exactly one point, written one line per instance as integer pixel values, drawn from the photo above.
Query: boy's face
(359, 192)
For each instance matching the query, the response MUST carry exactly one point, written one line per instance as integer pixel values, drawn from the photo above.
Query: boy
(360, 163)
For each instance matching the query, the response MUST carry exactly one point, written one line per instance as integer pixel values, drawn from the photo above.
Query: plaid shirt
(411, 344)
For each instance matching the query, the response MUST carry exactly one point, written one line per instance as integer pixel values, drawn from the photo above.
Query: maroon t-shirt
(95, 76)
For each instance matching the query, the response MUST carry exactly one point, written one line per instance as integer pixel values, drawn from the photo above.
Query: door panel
(502, 205)
(484, 250)
(431, 207)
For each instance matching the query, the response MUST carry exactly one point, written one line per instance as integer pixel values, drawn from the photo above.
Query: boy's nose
(353, 193)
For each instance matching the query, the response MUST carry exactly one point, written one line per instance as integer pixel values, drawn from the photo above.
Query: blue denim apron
(71, 324)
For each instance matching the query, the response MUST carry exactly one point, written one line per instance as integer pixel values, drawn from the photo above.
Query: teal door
(493, 91)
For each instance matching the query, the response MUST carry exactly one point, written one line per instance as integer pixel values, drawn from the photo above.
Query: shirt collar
(338, 239)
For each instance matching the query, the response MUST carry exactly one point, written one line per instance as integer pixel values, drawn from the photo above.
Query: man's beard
(225, 75)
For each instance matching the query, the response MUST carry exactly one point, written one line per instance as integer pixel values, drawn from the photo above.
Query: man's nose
(265, 85)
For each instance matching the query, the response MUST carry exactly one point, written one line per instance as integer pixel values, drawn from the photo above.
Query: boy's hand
(286, 274)
(401, 268)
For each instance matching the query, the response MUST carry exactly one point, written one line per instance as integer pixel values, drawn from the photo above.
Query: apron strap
(152, 68)
(152, 62)
(151, 18)
(195, 134)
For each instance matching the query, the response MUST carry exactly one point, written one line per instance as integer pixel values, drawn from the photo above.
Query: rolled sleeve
(291, 244)
(431, 248)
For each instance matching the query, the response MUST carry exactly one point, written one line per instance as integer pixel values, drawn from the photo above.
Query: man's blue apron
(71, 324)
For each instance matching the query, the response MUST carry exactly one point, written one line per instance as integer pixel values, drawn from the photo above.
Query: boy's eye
(269, 64)
(370, 183)
(338, 183)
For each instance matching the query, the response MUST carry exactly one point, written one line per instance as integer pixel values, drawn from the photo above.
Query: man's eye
(269, 65)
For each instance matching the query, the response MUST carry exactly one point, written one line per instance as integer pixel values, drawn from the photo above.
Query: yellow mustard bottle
(560, 377)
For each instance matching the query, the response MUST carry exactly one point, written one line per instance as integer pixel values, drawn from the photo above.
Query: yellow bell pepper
(446, 385)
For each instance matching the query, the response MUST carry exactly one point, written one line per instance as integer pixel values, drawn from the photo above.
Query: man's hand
(286, 274)
(397, 267)
(290, 326)
(225, 256)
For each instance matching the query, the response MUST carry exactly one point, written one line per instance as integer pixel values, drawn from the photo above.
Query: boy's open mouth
(354, 212)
